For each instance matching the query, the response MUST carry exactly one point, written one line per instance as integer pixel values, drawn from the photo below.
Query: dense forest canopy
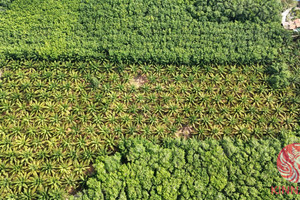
(135, 31)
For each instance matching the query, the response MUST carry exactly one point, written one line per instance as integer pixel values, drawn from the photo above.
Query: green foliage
(166, 32)
(170, 31)
(94, 82)
(53, 124)
(289, 3)
(259, 11)
(5, 3)
(39, 29)
(205, 172)
(280, 75)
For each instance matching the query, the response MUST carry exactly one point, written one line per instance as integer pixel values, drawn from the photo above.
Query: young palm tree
(248, 119)
(26, 156)
(88, 155)
(252, 110)
(191, 78)
(261, 121)
(289, 122)
(232, 120)
(225, 110)
(238, 110)
(211, 110)
(204, 99)
(244, 100)
(146, 130)
(139, 119)
(274, 122)
(16, 95)
(279, 109)
(13, 84)
(46, 131)
(60, 76)
(71, 180)
(265, 110)
(256, 100)
(6, 183)
(6, 106)
(152, 120)
(206, 121)
(152, 79)
(262, 89)
(140, 98)
(243, 132)
(37, 182)
(109, 142)
(152, 98)
(294, 110)
(65, 167)
(41, 119)
(34, 75)
(42, 154)
(36, 142)
(84, 118)
(145, 88)
(233, 70)
(58, 96)
(222, 89)
(126, 98)
(16, 168)
(216, 132)
(178, 78)
(28, 194)
(230, 100)
(81, 142)
(171, 89)
(7, 75)
(269, 100)
(74, 76)
(21, 182)
(172, 109)
(58, 155)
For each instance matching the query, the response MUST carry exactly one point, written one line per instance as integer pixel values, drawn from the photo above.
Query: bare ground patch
(138, 81)
(91, 170)
(185, 132)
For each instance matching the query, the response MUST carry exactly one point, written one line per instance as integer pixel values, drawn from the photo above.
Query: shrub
(280, 75)
(191, 169)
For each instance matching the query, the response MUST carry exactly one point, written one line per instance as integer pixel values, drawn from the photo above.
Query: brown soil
(91, 170)
(138, 81)
(72, 191)
(185, 132)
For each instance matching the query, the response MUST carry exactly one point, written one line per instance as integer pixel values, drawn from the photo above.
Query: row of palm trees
(54, 123)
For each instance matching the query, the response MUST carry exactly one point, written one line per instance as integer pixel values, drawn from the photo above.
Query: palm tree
(21, 182)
